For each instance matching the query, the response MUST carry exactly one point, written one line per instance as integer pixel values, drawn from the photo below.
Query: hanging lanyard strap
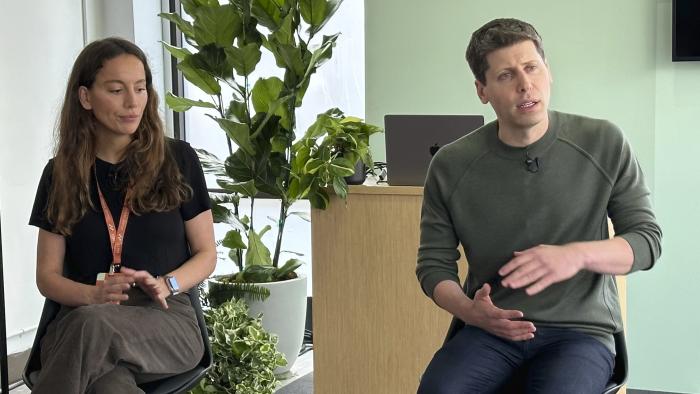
(116, 235)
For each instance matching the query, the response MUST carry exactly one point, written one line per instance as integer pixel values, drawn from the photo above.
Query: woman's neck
(112, 148)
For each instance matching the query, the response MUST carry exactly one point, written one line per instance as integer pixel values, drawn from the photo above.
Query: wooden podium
(374, 329)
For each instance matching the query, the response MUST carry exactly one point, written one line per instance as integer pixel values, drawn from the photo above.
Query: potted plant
(245, 354)
(259, 120)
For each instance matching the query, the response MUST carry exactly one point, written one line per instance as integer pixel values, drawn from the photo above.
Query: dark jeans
(555, 361)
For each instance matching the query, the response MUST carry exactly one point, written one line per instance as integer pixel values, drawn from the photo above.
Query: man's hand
(112, 289)
(154, 287)
(541, 266)
(485, 315)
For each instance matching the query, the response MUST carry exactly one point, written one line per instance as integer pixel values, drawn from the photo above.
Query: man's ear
(84, 96)
(549, 71)
(480, 91)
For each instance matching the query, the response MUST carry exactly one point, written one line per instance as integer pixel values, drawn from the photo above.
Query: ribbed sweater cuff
(429, 281)
(640, 248)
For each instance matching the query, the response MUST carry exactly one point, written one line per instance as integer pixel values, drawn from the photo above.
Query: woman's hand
(154, 287)
(113, 289)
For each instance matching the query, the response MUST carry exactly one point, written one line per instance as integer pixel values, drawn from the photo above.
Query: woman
(119, 198)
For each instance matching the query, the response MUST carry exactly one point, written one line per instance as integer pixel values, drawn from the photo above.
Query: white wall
(40, 41)
(136, 21)
(43, 39)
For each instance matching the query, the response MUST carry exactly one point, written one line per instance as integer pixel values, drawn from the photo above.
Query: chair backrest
(455, 326)
(621, 370)
(33, 365)
(172, 384)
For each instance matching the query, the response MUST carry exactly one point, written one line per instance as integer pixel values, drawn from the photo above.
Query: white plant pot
(284, 314)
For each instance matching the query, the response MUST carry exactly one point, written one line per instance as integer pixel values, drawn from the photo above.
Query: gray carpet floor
(303, 385)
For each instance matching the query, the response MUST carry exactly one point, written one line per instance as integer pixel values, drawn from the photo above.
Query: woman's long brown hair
(153, 176)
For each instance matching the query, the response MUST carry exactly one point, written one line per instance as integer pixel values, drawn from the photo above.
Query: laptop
(412, 140)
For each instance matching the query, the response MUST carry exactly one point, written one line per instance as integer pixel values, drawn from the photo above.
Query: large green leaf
(289, 57)
(265, 92)
(223, 198)
(279, 143)
(238, 132)
(340, 187)
(281, 116)
(221, 214)
(341, 167)
(268, 13)
(201, 79)
(318, 198)
(313, 165)
(301, 91)
(302, 155)
(250, 33)
(245, 188)
(191, 5)
(318, 12)
(234, 240)
(178, 53)
(184, 26)
(287, 268)
(237, 111)
(293, 192)
(181, 104)
(318, 128)
(286, 32)
(266, 100)
(258, 253)
(259, 273)
(321, 54)
(217, 25)
(244, 59)
(240, 166)
(210, 163)
(306, 185)
(212, 59)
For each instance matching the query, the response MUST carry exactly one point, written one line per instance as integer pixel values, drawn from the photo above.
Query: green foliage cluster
(259, 119)
(246, 355)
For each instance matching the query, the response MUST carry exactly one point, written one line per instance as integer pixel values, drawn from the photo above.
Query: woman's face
(118, 96)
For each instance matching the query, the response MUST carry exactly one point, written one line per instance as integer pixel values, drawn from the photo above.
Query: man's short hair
(497, 34)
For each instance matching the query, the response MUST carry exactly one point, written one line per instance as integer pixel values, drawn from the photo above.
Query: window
(338, 83)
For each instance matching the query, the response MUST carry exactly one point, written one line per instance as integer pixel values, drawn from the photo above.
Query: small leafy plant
(245, 355)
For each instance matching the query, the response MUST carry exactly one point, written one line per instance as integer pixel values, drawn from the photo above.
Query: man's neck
(521, 137)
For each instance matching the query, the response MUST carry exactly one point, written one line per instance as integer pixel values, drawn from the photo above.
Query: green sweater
(479, 192)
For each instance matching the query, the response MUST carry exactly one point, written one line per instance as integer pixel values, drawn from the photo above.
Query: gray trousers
(110, 348)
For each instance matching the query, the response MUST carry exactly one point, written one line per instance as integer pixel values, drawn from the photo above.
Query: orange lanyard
(116, 235)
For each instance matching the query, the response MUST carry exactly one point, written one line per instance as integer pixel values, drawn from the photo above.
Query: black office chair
(620, 372)
(174, 384)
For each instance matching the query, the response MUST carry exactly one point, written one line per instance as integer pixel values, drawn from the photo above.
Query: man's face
(518, 87)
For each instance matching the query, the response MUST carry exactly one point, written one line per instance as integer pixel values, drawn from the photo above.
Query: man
(528, 197)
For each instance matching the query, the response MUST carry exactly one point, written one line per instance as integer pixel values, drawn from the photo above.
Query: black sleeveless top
(154, 241)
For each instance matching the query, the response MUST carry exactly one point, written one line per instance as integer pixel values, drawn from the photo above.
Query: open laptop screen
(412, 140)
